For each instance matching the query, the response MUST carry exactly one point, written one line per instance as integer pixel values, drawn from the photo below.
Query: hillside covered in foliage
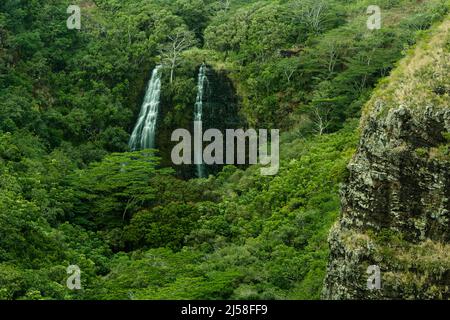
(73, 193)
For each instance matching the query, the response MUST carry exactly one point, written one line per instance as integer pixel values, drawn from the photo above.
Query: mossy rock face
(399, 185)
(407, 270)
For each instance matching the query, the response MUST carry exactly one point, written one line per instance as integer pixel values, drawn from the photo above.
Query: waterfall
(198, 117)
(143, 136)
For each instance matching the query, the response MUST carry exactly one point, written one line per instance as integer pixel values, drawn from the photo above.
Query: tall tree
(171, 51)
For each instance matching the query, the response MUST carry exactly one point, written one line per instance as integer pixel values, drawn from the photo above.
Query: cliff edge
(395, 203)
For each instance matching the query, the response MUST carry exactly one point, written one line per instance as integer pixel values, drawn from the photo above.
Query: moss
(409, 270)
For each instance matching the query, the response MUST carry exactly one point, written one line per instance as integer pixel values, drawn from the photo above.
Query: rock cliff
(396, 201)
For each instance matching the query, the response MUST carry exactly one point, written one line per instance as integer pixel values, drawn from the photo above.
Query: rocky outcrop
(396, 201)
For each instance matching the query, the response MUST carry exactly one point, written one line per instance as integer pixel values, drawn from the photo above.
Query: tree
(332, 56)
(171, 51)
(288, 68)
(321, 119)
(163, 226)
(313, 15)
(117, 186)
(225, 4)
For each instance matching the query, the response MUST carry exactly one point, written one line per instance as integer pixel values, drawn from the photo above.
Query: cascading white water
(198, 117)
(143, 136)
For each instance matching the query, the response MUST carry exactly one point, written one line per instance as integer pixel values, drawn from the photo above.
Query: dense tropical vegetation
(72, 193)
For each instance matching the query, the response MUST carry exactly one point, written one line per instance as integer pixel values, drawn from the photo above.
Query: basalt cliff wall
(396, 200)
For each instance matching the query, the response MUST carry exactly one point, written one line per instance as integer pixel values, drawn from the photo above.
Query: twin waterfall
(143, 136)
(198, 118)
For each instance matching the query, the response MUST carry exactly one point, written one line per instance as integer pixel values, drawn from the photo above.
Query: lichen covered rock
(396, 201)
